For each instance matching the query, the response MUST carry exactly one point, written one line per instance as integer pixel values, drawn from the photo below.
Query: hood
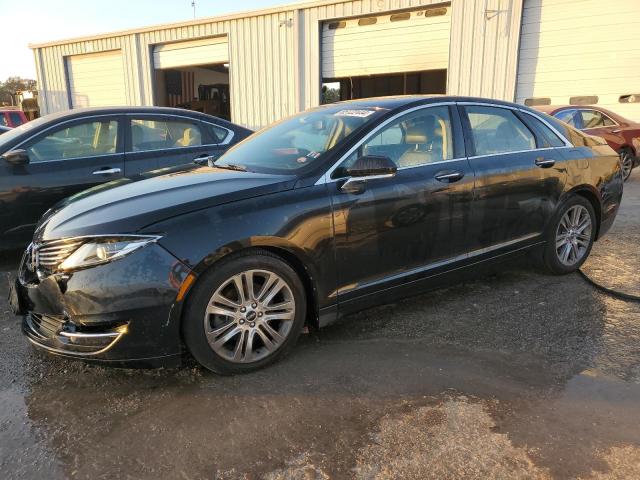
(129, 204)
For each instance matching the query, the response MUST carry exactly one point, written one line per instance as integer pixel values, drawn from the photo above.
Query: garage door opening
(394, 54)
(194, 75)
(426, 82)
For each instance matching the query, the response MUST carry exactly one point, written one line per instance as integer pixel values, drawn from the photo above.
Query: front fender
(297, 221)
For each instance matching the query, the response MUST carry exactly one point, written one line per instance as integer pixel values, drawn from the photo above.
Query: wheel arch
(591, 195)
(288, 253)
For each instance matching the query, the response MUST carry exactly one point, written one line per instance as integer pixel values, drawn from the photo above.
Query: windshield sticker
(354, 113)
(313, 154)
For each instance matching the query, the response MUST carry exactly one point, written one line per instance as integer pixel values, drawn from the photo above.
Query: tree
(11, 85)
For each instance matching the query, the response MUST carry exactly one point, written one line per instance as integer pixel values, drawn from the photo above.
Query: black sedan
(48, 159)
(333, 210)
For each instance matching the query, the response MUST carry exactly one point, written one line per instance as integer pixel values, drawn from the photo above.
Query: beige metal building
(264, 65)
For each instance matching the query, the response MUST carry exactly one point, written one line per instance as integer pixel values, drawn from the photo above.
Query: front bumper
(121, 312)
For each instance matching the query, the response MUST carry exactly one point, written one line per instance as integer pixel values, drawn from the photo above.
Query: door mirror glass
(371, 165)
(16, 157)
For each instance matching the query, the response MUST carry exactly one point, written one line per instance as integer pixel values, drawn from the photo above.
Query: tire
(556, 258)
(215, 304)
(626, 158)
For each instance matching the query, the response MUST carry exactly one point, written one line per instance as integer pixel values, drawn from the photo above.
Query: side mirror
(368, 167)
(372, 166)
(16, 157)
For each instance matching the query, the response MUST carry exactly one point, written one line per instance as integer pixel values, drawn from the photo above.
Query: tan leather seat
(190, 138)
(426, 143)
(417, 154)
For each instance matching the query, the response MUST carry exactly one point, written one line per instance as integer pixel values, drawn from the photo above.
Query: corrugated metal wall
(483, 56)
(275, 57)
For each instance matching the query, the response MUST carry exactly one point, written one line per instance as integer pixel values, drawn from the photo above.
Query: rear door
(160, 141)
(63, 160)
(519, 176)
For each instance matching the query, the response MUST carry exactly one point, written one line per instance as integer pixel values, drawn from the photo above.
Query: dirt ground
(514, 375)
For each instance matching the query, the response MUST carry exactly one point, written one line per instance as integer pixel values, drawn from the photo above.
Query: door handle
(107, 171)
(545, 162)
(617, 130)
(449, 176)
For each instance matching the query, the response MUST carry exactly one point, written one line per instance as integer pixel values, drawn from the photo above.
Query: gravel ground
(512, 375)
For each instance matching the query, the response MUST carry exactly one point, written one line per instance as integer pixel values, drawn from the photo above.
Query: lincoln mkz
(333, 210)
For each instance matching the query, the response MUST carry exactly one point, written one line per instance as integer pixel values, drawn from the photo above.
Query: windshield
(299, 141)
(14, 133)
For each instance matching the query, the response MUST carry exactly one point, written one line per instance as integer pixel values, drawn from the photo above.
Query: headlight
(104, 250)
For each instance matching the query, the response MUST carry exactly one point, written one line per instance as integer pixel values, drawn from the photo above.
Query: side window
(550, 138)
(158, 134)
(498, 130)
(418, 138)
(86, 139)
(568, 117)
(218, 134)
(16, 119)
(591, 119)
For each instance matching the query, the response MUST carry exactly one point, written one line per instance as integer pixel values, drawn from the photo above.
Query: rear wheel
(626, 158)
(570, 236)
(244, 313)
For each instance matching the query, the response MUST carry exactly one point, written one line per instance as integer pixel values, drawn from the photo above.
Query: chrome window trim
(76, 158)
(518, 151)
(16, 147)
(567, 143)
(227, 140)
(326, 177)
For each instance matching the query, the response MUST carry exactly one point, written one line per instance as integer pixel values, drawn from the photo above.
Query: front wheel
(244, 313)
(626, 158)
(570, 236)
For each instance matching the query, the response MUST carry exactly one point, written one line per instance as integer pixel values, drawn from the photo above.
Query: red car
(12, 117)
(621, 134)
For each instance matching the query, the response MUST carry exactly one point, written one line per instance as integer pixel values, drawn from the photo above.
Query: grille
(58, 333)
(48, 256)
(47, 326)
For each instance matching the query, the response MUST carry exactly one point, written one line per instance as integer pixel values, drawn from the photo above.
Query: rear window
(549, 137)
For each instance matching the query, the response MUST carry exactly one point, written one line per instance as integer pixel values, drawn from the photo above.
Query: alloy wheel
(627, 164)
(573, 235)
(249, 316)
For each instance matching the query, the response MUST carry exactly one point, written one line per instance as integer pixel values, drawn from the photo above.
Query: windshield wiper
(232, 166)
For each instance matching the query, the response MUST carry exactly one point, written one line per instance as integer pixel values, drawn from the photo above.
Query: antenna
(193, 5)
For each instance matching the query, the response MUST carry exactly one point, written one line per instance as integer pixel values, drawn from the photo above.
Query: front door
(62, 161)
(160, 141)
(394, 229)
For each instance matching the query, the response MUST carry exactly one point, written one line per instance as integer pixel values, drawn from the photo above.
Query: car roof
(393, 102)
(81, 112)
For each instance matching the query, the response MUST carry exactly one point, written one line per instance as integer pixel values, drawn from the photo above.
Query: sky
(36, 21)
